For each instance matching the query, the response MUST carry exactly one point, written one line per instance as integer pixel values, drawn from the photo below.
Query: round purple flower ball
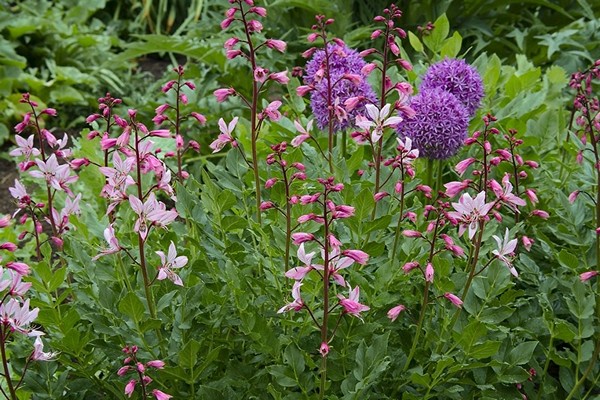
(457, 77)
(439, 127)
(342, 60)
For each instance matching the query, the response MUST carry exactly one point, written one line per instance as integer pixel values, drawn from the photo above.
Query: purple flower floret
(439, 127)
(342, 60)
(457, 77)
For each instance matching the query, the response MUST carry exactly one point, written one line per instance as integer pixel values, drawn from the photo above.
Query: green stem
(9, 382)
(419, 326)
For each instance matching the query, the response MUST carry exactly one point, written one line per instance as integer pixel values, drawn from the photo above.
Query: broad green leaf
(415, 42)
(522, 353)
(188, 356)
(132, 306)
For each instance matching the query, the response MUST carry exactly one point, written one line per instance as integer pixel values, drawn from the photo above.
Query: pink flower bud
(454, 299)
(462, 166)
(19, 267)
(230, 43)
(573, 196)
(429, 271)
(270, 182)
(412, 233)
(226, 23)
(8, 246)
(259, 11)
(130, 387)
(541, 214)
(527, 242)
(123, 370)
(38, 227)
(358, 256)
(5, 221)
(530, 193)
(393, 313)
(275, 44)
(280, 77)
(324, 349)
(223, 94)
(158, 364)
(587, 275)
(303, 90)
(409, 266)
(380, 195)
(312, 37)
(301, 237)
(231, 54)
(159, 395)
(58, 242)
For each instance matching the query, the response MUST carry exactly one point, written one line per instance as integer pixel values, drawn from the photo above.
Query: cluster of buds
(163, 115)
(131, 364)
(57, 176)
(289, 174)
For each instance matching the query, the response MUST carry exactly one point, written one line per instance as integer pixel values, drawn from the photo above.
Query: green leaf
(132, 306)
(568, 260)
(451, 46)
(188, 356)
(57, 279)
(484, 350)
(364, 204)
(436, 37)
(415, 42)
(522, 353)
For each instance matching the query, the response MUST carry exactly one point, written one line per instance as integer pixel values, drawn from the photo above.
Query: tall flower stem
(141, 241)
(330, 125)
(324, 327)
(288, 215)
(253, 117)
(9, 382)
(399, 225)
(425, 298)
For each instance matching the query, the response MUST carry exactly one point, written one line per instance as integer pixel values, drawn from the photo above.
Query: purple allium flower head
(342, 60)
(457, 77)
(439, 127)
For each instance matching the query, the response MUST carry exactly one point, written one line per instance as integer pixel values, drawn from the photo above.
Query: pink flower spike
(160, 395)
(429, 272)
(393, 313)
(454, 299)
(586, 276)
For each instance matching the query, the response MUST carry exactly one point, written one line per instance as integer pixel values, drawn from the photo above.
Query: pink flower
(199, 117)
(158, 364)
(505, 193)
(298, 273)
(160, 395)
(304, 133)
(113, 243)
(38, 351)
(168, 262)
(225, 136)
(130, 387)
(409, 266)
(412, 233)
(358, 256)
(588, 275)
(295, 305)
(527, 242)
(223, 94)
(454, 299)
(429, 271)
(303, 90)
(540, 213)
(301, 237)
(462, 166)
(393, 313)
(469, 212)
(272, 111)
(573, 196)
(505, 248)
(26, 148)
(351, 305)
(278, 45)
(19, 267)
(380, 195)
(454, 188)
(270, 182)
(324, 349)
(378, 120)
(280, 77)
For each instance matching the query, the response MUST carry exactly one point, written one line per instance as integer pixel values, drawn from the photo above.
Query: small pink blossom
(573, 196)
(168, 262)
(429, 272)
(38, 351)
(225, 136)
(412, 233)
(462, 166)
(469, 211)
(160, 395)
(324, 349)
(358, 256)
(527, 242)
(113, 243)
(275, 44)
(280, 77)
(295, 305)
(454, 299)
(394, 312)
(301, 237)
(130, 387)
(223, 94)
(588, 275)
(272, 111)
(409, 266)
(541, 214)
(506, 247)
(351, 304)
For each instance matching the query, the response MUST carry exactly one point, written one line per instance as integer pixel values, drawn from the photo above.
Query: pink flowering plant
(399, 216)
